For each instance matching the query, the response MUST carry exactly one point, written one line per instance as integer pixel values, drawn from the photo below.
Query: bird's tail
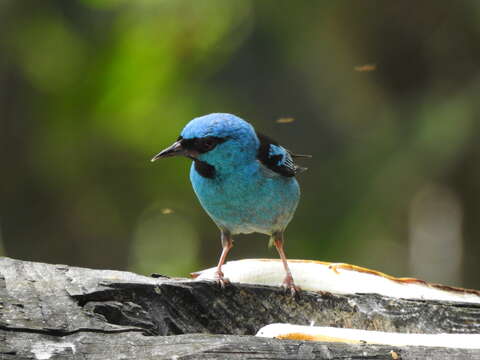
(300, 169)
(300, 155)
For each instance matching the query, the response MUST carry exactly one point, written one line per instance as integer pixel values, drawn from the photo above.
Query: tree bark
(58, 312)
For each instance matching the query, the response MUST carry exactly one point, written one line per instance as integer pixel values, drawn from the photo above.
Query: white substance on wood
(337, 279)
(44, 350)
(284, 331)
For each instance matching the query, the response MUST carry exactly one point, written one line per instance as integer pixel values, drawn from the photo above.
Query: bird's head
(223, 141)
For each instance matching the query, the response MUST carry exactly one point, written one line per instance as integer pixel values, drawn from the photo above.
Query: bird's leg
(288, 283)
(227, 244)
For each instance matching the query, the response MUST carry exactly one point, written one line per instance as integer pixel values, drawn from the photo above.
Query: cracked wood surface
(57, 311)
(203, 346)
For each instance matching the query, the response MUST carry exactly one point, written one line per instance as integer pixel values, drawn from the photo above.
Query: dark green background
(90, 90)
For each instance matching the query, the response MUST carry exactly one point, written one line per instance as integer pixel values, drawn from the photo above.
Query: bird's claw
(221, 280)
(289, 286)
(336, 266)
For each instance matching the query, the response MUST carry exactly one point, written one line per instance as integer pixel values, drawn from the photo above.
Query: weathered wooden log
(134, 345)
(57, 312)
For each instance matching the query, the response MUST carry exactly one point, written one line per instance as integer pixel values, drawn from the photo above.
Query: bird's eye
(208, 144)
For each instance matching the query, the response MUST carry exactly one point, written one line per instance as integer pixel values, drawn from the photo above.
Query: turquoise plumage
(244, 180)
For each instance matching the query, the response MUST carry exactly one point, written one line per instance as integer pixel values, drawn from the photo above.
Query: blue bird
(244, 180)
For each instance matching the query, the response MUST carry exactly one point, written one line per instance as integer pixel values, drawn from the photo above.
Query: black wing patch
(277, 158)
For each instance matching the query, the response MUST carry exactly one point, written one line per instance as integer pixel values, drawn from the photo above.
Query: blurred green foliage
(91, 89)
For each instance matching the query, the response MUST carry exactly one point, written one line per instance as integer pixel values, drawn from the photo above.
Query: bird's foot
(220, 279)
(336, 266)
(289, 286)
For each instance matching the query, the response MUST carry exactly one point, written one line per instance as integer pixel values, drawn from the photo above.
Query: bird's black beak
(174, 150)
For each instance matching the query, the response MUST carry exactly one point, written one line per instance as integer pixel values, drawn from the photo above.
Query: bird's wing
(277, 158)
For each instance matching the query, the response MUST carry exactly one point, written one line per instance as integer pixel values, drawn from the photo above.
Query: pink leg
(227, 244)
(288, 283)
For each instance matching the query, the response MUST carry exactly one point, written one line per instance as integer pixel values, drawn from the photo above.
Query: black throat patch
(205, 169)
